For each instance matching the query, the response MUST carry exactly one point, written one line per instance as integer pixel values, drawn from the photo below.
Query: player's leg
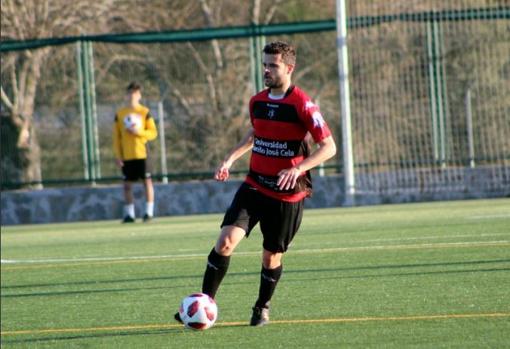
(129, 176)
(129, 203)
(149, 189)
(269, 276)
(219, 258)
(237, 223)
(279, 225)
(149, 196)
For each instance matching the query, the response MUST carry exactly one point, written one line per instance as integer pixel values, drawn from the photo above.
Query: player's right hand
(119, 162)
(222, 173)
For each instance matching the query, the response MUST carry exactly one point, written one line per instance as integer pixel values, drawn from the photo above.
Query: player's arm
(117, 142)
(150, 132)
(287, 178)
(246, 143)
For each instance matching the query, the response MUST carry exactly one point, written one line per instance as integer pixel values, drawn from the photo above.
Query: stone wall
(106, 202)
(196, 197)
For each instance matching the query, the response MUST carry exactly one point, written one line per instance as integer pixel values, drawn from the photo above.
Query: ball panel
(193, 308)
(198, 326)
(211, 314)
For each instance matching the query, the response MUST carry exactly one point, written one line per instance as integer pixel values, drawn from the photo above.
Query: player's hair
(279, 47)
(133, 86)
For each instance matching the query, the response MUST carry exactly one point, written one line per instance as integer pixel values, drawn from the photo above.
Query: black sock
(268, 281)
(217, 266)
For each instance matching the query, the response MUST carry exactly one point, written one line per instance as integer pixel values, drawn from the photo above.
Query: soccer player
(132, 129)
(282, 119)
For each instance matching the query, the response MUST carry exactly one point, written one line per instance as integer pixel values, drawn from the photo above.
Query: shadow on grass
(257, 273)
(424, 273)
(69, 337)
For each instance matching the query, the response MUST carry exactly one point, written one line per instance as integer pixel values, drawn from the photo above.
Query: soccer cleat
(260, 316)
(147, 218)
(177, 317)
(128, 219)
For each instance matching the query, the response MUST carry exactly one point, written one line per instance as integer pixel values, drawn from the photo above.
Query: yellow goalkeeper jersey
(126, 145)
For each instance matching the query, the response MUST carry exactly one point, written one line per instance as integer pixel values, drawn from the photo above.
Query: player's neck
(280, 91)
(134, 104)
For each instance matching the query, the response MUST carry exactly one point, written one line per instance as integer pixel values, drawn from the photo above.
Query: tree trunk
(21, 154)
(20, 165)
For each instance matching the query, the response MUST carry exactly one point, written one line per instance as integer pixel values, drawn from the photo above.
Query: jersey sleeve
(150, 132)
(314, 121)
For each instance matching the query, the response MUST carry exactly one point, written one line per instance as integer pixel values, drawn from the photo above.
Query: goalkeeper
(133, 128)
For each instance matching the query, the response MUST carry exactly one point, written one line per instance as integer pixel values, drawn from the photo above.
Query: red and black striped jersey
(280, 128)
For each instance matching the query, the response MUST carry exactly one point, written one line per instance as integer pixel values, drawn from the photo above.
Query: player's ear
(290, 68)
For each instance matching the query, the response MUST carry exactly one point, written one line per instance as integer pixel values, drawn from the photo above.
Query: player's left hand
(287, 178)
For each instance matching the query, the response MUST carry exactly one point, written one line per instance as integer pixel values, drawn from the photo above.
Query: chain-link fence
(429, 97)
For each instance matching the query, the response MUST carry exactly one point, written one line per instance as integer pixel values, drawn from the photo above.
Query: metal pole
(469, 125)
(432, 88)
(256, 43)
(162, 142)
(343, 71)
(93, 112)
(321, 165)
(88, 117)
(79, 68)
(441, 86)
(261, 42)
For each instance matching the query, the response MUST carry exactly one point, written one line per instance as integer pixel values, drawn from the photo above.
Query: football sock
(217, 266)
(268, 281)
(149, 208)
(129, 210)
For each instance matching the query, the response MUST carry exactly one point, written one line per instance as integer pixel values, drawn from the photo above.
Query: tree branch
(5, 99)
(271, 11)
(209, 78)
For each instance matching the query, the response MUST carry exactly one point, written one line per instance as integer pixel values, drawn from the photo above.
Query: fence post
(343, 78)
(437, 90)
(256, 45)
(83, 113)
(88, 111)
(93, 112)
(469, 126)
(162, 142)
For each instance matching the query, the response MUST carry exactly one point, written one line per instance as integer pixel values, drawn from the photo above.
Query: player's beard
(272, 82)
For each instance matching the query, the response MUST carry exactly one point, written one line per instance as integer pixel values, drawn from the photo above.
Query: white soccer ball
(132, 122)
(198, 311)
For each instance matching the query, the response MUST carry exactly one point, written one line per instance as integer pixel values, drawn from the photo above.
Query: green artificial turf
(431, 275)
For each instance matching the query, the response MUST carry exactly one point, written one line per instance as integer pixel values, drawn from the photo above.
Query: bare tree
(207, 83)
(21, 71)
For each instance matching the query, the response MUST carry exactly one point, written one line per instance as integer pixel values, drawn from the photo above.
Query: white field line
(253, 253)
(437, 237)
(503, 215)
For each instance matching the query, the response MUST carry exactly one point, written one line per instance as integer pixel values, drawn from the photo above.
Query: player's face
(134, 96)
(276, 72)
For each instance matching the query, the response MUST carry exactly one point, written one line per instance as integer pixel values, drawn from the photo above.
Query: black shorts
(134, 170)
(279, 220)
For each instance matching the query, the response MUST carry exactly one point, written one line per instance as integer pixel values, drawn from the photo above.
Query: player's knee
(271, 260)
(224, 246)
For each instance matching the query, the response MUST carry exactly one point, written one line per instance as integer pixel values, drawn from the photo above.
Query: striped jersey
(281, 128)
